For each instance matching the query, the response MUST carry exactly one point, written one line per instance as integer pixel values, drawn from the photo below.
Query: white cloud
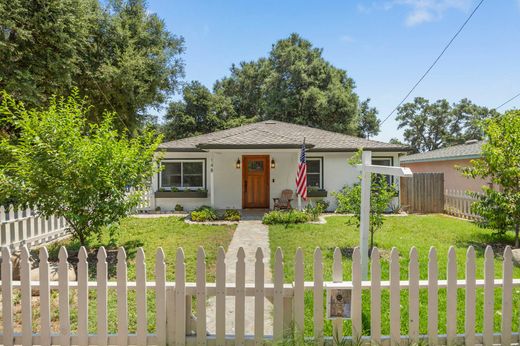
(420, 11)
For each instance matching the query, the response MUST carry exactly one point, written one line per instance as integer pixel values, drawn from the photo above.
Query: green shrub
(313, 211)
(285, 217)
(204, 213)
(178, 207)
(322, 204)
(231, 215)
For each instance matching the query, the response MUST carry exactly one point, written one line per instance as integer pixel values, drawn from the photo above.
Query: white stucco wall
(228, 179)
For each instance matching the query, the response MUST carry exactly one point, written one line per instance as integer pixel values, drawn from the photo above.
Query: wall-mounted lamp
(273, 164)
(237, 164)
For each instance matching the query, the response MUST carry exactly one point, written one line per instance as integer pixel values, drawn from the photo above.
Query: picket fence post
(451, 297)
(489, 296)
(259, 297)
(278, 296)
(180, 298)
(375, 297)
(45, 301)
(140, 296)
(7, 297)
(160, 297)
(220, 300)
(122, 298)
(433, 297)
(299, 293)
(337, 276)
(201, 296)
(63, 296)
(507, 296)
(25, 278)
(413, 296)
(82, 297)
(395, 298)
(318, 297)
(240, 297)
(102, 297)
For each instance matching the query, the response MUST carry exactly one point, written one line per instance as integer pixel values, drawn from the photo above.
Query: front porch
(232, 179)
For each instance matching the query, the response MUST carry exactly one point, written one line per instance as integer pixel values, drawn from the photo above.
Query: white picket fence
(23, 226)
(458, 203)
(175, 325)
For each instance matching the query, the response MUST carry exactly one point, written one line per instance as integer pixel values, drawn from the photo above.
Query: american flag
(301, 176)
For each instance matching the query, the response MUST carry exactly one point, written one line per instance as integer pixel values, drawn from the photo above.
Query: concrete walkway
(250, 235)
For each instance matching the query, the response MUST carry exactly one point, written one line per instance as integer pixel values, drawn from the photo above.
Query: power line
(435, 61)
(511, 99)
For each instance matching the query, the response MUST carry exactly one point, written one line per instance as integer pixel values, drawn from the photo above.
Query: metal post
(366, 183)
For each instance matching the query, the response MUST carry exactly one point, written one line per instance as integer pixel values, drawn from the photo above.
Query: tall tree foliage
(69, 168)
(429, 126)
(368, 123)
(500, 164)
(121, 56)
(294, 83)
(200, 111)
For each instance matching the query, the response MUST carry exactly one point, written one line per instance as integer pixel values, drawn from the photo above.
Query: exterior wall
(453, 179)
(227, 178)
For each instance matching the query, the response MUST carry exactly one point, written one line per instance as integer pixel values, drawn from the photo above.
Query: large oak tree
(294, 83)
(117, 53)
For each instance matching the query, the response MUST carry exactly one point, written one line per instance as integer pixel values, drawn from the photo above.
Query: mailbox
(339, 303)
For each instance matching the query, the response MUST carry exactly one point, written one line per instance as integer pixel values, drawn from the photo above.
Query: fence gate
(423, 193)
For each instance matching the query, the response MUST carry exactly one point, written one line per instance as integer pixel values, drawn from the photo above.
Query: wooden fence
(20, 227)
(423, 193)
(458, 203)
(174, 324)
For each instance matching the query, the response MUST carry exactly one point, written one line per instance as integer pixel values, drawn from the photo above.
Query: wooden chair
(284, 201)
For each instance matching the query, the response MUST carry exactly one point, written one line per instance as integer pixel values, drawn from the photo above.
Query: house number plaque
(339, 303)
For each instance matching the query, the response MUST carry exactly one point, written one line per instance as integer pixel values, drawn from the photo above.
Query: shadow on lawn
(73, 247)
(480, 241)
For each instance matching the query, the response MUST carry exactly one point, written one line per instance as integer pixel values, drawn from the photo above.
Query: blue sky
(384, 45)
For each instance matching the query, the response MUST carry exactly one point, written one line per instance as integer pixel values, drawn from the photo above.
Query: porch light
(273, 164)
(237, 165)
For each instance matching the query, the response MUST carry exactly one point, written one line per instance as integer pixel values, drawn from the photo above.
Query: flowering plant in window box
(187, 193)
(313, 191)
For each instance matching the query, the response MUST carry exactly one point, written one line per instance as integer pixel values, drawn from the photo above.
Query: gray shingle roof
(468, 150)
(277, 134)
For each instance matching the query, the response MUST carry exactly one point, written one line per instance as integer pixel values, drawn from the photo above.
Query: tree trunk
(81, 236)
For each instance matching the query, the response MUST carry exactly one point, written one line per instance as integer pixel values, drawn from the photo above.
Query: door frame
(267, 173)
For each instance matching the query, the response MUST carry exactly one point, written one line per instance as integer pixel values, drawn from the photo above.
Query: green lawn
(401, 232)
(170, 233)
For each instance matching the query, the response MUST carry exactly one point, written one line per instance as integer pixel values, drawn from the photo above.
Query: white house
(249, 165)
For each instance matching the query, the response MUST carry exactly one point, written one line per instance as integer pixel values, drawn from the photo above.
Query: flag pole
(299, 196)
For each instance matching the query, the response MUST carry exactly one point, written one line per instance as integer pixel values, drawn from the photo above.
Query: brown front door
(255, 181)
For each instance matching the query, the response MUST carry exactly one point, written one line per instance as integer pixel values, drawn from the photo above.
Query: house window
(188, 174)
(315, 172)
(384, 161)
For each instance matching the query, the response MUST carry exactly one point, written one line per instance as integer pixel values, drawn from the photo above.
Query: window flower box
(182, 194)
(317, 193)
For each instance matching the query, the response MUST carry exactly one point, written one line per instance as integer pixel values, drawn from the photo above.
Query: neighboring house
(445, 161)
(249, 165)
